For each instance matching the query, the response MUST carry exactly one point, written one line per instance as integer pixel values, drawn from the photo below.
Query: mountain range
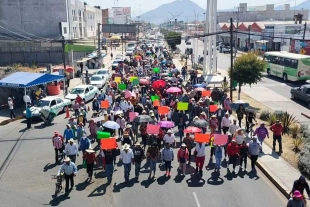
(185, 10)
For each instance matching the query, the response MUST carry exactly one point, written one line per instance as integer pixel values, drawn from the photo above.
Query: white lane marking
(196, 199)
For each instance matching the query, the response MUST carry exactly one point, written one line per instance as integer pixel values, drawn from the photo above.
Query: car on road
(188, 43)
(227, 50)
(56, 103)
(301, 93)
(129, 52)
(115, 63)
(103, 72)
(98, 81)
(86, 92)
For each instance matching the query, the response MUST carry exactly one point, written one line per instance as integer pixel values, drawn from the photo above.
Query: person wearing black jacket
(243, 151)
(108, 162)
(301, 185)
(126, 139)
(138, 153)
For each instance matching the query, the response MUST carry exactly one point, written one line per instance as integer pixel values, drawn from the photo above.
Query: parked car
(57, 104)
(301, 93)
(227, 50)
(98, 81)
(129, 52)
(87, 92)
(104, 72)
(115, 63)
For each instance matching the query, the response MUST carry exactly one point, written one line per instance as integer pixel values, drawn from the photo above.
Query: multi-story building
(93, 16)
(107, 16)
(75, 20)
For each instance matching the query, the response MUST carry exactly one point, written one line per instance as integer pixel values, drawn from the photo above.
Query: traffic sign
(302, 51)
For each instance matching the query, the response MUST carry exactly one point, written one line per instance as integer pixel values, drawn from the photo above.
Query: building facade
(93, 16)
(121, 15)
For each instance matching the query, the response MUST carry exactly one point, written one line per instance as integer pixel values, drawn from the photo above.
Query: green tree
(247, 69)
(173, 39)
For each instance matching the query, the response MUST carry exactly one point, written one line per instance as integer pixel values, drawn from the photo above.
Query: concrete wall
(254, 16)
(39, 17)
(38, 58)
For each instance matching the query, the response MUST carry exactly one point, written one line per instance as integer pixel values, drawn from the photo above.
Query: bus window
(275, 60)
(294, 64)
(267, 58)
(281, 61)
(287, 62)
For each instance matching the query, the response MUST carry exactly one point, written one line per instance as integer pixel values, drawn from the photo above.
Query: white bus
(288, 66)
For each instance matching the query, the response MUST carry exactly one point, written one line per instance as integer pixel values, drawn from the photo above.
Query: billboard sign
(293, 30)
(119, 28)
(121, 11)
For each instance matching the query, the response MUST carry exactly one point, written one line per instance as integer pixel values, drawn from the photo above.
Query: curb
(305, 115)
(273, 179)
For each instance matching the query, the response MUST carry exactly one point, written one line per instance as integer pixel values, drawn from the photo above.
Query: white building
(121, 15)
(75, 25)
(93, 16)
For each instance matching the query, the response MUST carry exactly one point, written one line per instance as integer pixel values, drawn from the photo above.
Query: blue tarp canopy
(26, 79)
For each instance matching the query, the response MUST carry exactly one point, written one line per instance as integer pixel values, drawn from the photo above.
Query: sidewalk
(5, 113)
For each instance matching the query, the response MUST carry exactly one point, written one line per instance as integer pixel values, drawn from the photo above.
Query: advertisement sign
(297, 46)
(121, 11)
(293, 30)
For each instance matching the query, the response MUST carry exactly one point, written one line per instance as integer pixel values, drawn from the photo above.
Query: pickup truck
(301, 93)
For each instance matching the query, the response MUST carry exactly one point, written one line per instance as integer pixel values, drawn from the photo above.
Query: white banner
(121, 11)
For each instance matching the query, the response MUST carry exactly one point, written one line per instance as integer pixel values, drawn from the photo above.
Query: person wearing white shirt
(127, 157)
(69, 169)
(233, 127)
(225, 123)
(169, 138)
(71, 150)
(27, 99)
(123, 104)
(200, 154)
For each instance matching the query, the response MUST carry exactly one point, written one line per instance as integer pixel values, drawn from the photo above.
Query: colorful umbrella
(129, 94)
(200, 123)
(192, 129)
(143, 118)
(158, 83)
(200, 89)
(166, 124)
(144, 81)
(173, 90)
(111, 125)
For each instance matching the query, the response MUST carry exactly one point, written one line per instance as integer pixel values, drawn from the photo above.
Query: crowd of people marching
(170, 85)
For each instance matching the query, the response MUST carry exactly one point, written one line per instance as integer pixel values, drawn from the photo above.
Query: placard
(135, 82)
(152, 129)
(220, 139)
(103, 135)
(105, 104)
(206, 93)
(122, 86)
(118, 79)
(156, 103)
(156, 97)
(202, 138)
(213, 108)
(133, 115)
(131, 79)
(106, 144)
(182, 106)
(163, 110)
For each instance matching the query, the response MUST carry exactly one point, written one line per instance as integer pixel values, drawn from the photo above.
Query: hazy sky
(140, 6)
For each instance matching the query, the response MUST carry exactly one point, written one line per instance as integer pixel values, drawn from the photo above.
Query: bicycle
(60, 179)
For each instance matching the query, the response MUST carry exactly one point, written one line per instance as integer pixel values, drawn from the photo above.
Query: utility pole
(64, 62)
(305, 29)
(175, 24)
(98, 33)
(122, 43)
(249, 37)
(231, 58)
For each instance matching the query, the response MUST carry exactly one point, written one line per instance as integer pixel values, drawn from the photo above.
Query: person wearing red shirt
(90, 158)
(79, 99)
(277, 130)
(233, 154)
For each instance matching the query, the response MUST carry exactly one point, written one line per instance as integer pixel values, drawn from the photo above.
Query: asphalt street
(27, 170)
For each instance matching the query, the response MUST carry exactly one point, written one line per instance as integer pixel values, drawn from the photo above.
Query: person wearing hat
(68, 133)
(127, 157)
(169, 138)
(69, 169)
(58, 144)
(28, 116)
(277, 130)
(90, 159)
(126, 139)
(138, 153)
(154, 120)
(167, 157)
(254, 148)
(213, 123)
(225, 123)
(95, 105)
(233, 154)
(71, 150)
(182, 158)
(297, 200)
(84, 144)
(11, 107)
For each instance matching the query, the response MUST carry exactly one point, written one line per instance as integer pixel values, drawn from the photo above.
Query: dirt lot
(287, 141)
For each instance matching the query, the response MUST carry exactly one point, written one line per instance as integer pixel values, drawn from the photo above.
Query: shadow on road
(215, 179)
(56, 202)
(163, 179)
(196, 180)
(100, 191)
(82, 186)
(117, 187)
(48, 166)
(148, 182)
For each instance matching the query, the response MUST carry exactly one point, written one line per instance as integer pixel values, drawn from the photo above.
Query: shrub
(264, 115)
(294, 130)
(272, 119)
(304, 160)
(298, 142)
(279, 114)
(287, 121)
(306, 134)
(303, 128)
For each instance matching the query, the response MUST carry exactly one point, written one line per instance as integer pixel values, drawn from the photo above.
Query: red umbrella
(192, 129)
(144, 81)
(159, 83)
(200, 89)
